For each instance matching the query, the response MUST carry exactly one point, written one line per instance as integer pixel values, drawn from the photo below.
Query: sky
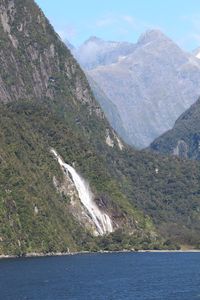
(124, 20)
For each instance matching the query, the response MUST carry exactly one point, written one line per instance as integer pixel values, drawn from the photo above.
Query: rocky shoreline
(35, 254)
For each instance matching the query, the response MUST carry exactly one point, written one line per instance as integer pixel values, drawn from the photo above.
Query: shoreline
(54, 254)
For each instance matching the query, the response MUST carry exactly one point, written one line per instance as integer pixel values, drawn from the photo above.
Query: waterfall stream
(101, 220)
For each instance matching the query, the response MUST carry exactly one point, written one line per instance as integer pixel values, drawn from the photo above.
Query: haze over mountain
(151, 82)
(96, 52)
(67, 182)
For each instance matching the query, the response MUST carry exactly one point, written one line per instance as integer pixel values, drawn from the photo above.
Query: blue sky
(124, 20)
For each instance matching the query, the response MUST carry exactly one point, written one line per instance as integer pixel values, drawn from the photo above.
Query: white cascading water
(101, 220)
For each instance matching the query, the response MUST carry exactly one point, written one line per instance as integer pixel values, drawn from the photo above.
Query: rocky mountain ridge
(151, 86)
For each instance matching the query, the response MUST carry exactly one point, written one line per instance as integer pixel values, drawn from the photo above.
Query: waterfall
(101, 220)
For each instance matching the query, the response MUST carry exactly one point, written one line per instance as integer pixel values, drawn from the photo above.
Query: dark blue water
(134, 276)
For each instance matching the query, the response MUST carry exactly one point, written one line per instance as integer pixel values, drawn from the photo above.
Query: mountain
(96, 52)
(67, 181)
(69, 46)
(151, 86)
(183, 139)
(110, 110)
(54, 139)
(92, 53)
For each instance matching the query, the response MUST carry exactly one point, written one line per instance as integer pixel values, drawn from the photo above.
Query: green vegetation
(28, 130)
(169, 196)
(166, 189)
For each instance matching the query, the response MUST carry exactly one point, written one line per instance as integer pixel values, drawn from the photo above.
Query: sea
(112, 276)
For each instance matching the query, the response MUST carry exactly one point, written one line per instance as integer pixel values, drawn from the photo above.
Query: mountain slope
(183, 140)
(48, 105)
(95, 52)
(151, 85)
(110, 110)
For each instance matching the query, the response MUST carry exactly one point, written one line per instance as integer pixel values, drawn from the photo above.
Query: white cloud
(67, 32)
(196, 37)
(129, 19)
(122, 23)
(105, 21)
(136, 24)
(194, 20)
(192, 35)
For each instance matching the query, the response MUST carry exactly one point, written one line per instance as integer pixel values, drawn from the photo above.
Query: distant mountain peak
(152, 35)
(151, 83)
(93, 39)
(96, 51)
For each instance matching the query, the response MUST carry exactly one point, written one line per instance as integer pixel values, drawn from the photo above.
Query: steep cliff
(46, 103)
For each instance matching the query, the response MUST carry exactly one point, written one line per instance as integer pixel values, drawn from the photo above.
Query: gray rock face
(110, 110)
(181, 149)
(151, 84)
(96, 52)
